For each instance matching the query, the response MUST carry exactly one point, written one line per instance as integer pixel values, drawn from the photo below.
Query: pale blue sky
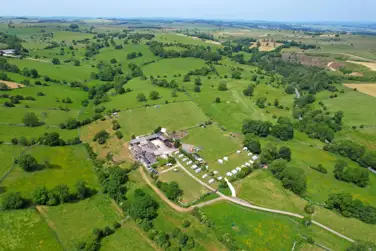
(273, 10)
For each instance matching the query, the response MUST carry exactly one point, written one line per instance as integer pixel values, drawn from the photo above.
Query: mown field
(174, 116)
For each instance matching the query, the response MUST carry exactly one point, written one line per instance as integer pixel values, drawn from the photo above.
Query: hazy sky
(277, 10)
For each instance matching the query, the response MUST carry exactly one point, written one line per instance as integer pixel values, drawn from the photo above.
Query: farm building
(146, 149)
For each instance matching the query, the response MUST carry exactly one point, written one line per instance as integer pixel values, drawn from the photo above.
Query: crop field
(23, 229)
(371, 66)
(212, 142)
(73, 226)
(70, 164)
(173, 116)
(191, 189)
(369, 89)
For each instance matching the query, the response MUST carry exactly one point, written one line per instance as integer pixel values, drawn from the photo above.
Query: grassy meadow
(22, 229)
(71, 164)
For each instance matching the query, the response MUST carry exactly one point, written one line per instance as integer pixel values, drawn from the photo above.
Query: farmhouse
(146, 149)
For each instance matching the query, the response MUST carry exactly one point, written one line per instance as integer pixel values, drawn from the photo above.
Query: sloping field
(369, 89)
(371, 66)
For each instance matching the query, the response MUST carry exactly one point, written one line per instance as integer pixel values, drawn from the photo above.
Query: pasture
(173, 66)
(128, 237)
(22, 229)
(7, 132)
(70, 164)
(173, 116)
(8, 153)
(74, 222)
(212, 142)
(253, 230)
(129, 100)
(234, 107)
(355, 106)
(63, 71)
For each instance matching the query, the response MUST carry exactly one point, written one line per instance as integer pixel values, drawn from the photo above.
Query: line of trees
(356, 175)
(353, 151)
(42, 196)
(48, 139)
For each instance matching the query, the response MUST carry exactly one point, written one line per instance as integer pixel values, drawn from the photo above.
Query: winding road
(232, 200)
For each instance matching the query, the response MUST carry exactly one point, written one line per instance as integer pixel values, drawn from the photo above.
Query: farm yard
(253, 129)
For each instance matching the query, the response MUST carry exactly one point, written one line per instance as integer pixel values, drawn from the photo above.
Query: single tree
(30, 119)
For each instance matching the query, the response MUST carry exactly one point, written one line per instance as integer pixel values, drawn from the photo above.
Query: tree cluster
(344, 203)
(283, 131)
(101, 137)
(172, 189)
(358, 176)
(353, 151)
(292, 178)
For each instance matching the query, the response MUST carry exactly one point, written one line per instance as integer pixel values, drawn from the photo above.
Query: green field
(206, 117)
(128, 237)
(253, 230)
(191, 189)
(8, 154)
(75, 222)
(129, 100)
(72, 163)
(23, 229)
(213, 142)
(173, 116)
(173, 66)
(355, 106)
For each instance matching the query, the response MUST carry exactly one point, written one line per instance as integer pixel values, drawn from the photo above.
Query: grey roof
(145, 138)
